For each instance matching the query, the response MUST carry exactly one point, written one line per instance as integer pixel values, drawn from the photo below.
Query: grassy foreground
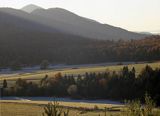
(36, 109)
(22, 109)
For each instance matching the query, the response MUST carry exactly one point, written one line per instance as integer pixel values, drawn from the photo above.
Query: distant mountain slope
(71, 23)
(13, 24)
(28, 42)
(77, 25)
(62, 37)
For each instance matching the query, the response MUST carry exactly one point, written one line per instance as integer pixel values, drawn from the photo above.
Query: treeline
(107, 85)
(32, 48)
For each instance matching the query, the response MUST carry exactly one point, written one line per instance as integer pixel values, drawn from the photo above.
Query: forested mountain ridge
(25, 50)
(26, 39)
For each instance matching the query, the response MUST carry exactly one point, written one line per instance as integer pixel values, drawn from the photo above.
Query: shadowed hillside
(29, 38)
(70, 23)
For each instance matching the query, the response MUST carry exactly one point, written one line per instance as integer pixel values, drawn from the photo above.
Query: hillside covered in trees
(30, 49)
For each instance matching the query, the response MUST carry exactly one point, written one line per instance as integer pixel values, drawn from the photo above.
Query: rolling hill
(62, 37)
(69, 23)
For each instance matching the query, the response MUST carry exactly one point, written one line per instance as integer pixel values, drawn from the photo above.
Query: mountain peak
(30, 8)
(60, 11)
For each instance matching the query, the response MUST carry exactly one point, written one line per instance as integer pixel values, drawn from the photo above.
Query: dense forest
(107, 85)
(26, 50)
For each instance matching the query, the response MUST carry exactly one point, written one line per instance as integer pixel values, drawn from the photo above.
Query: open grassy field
(68, 104)
(24, 109)
(35, 108)
(36, 76)
(13, 108)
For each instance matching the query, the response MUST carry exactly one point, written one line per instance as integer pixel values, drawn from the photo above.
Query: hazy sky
(134, 15)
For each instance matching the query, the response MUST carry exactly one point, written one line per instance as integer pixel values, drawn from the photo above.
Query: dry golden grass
(66, 104)
(19, 109)
(12, 109)
(40, 74)
(37, 76)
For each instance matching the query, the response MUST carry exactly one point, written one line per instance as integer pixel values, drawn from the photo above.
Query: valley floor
(36, 76)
